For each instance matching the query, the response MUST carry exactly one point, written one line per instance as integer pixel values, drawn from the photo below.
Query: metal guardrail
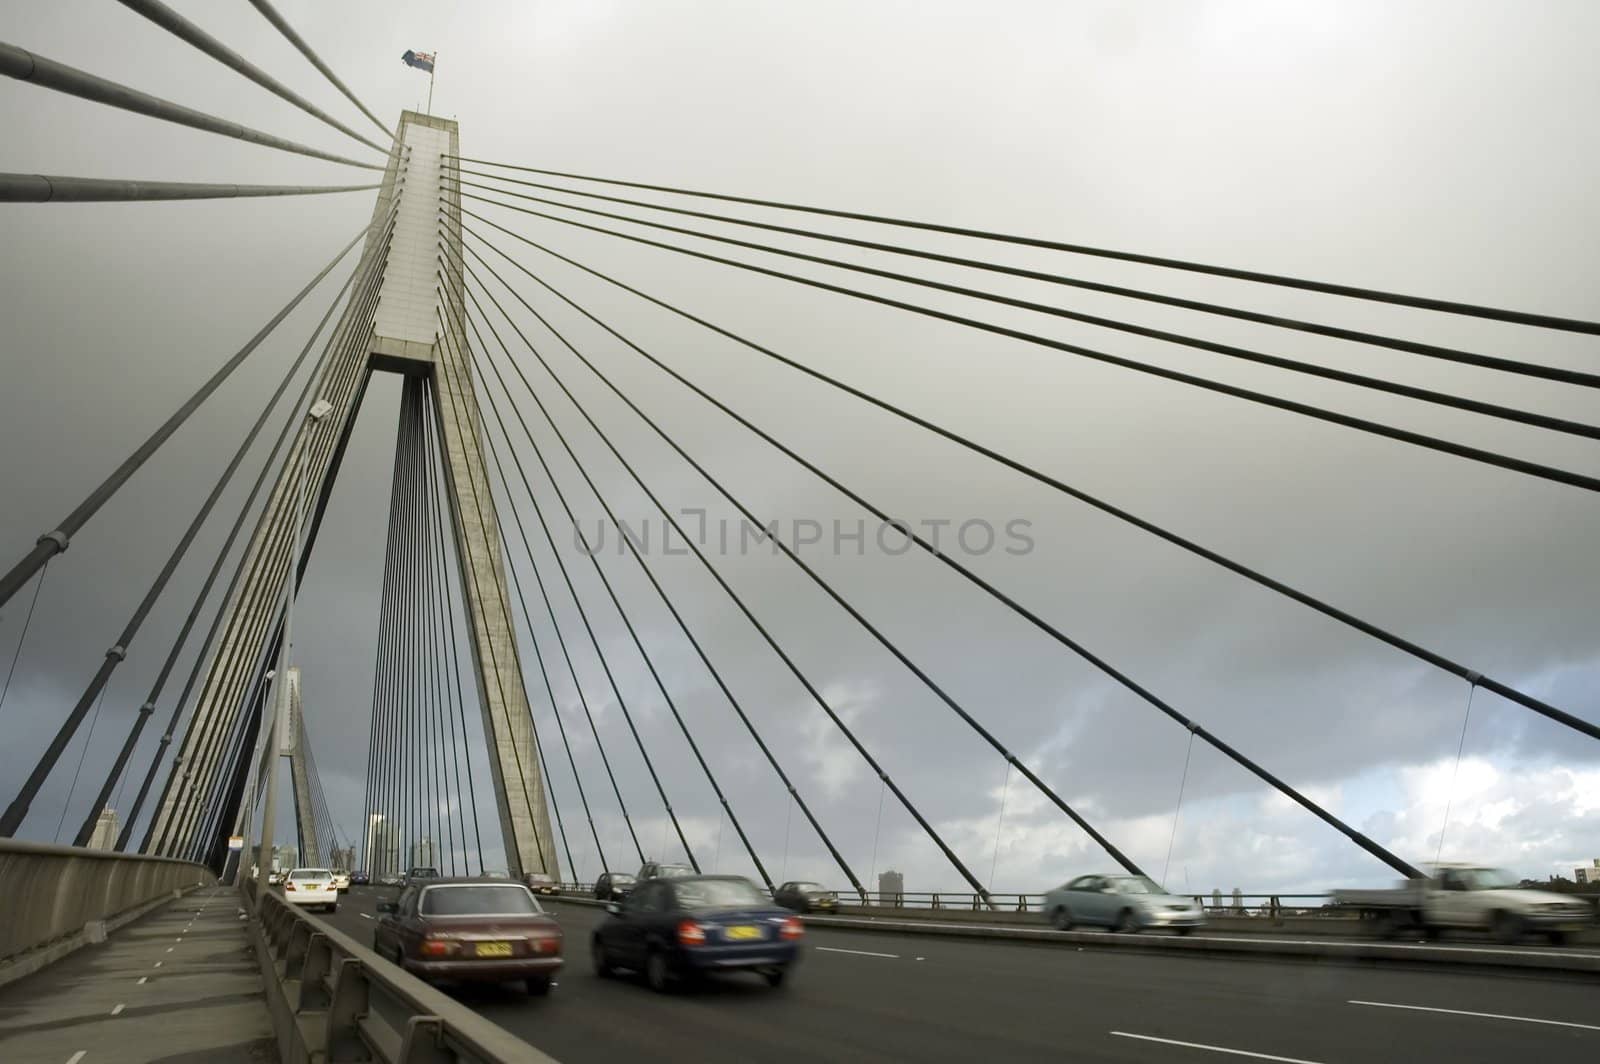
(332, 999)
(58, 898)
(960, 900)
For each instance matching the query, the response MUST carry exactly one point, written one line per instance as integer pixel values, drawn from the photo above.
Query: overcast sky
(1428, 148)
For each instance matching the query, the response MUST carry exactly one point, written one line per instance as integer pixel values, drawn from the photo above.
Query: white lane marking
(142, 978)
(857, 952)
(1480, 1015)
(118, 1010)
(364, 916)
(170, 949)
(79, 1055)
(1213, 1049)
(158, 964)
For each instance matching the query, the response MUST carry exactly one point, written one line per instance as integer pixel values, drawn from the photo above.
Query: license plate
(494, 949)
(743, 933)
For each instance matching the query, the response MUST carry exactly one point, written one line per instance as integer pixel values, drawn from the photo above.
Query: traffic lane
(876, 996)
(1463, 941)
(869, 996)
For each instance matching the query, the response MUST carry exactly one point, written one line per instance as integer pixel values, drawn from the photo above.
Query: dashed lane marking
(1479, 1015)
(1213, 1049)
(859, 952)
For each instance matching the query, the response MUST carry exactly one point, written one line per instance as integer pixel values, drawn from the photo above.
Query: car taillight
(288, 886)
(438, 947)
(792, 928)
(691, 934)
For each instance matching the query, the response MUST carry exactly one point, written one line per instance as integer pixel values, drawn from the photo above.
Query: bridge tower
(396, 321)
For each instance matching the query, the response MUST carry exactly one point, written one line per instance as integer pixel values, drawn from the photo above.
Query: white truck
(1471, 897)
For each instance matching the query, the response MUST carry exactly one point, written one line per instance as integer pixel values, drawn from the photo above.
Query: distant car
(680, 927)
(341, 881)
(360, 879)
(805, 897)
(311, 886)
(418, 875)
(657, 870)
(1122, 903)
(475, 930)
(613, 886)
(274, 878)
(1462, 897)
(541, 884)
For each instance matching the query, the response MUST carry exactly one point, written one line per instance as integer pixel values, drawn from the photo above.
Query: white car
(311, 886)
(341, 881)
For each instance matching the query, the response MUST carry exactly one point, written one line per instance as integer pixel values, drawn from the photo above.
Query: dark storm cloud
(1351, 142)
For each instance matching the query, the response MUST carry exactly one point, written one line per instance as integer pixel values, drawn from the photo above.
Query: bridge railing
(331, 998)
(58, 898)
(1245, 905)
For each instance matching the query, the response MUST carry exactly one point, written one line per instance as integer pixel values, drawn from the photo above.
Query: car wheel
(538, 986)
(1061, 918)
(1183, 931)
(1125, 922)
(658, 973)
(775, 976)
(1507, 927)
(602, 961)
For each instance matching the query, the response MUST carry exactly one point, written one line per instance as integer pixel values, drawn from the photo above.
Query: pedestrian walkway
(179, 986)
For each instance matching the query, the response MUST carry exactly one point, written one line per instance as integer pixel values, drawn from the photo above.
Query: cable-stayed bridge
(526, 482)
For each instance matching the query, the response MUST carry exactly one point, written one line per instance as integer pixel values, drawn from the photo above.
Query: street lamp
(280, 684)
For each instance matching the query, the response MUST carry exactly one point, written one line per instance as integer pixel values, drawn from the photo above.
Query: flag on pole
(420, 60)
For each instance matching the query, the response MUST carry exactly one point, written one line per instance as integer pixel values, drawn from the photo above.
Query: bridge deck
(179, 985)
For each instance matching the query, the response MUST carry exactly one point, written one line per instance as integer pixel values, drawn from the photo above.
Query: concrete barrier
(332, 999)
(61, 898)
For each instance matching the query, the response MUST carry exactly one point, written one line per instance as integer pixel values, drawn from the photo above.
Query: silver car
(1122, 903)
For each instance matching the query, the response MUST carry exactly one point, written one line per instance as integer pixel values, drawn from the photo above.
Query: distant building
(422, 854)
(1216, 898)
(107, 827)
(383, 847)
(344, 859)
(1589, 876)
(1238, 900)
(891, 888)
(285, 857)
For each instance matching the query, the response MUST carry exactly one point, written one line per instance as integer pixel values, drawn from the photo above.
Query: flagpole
(430, 82)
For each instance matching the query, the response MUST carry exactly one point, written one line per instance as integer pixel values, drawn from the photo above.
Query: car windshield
(621, 877)
(810, 888)
(1488, 878)
(1135, 885)
(671, 871)
(537, 878)
(474, 900)
(310, 873)
(719, 894)
(424, 873)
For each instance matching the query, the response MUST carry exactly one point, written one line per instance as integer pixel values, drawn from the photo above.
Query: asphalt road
(868, 996)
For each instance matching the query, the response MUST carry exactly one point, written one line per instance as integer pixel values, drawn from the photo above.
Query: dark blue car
(675, 929)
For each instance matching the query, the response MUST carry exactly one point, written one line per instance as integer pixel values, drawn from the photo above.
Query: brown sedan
(449, 930)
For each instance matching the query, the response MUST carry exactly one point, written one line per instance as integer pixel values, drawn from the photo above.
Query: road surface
(868, 996)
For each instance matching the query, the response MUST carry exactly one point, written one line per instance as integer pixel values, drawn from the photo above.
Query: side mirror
(388, 907)
(614, 909)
